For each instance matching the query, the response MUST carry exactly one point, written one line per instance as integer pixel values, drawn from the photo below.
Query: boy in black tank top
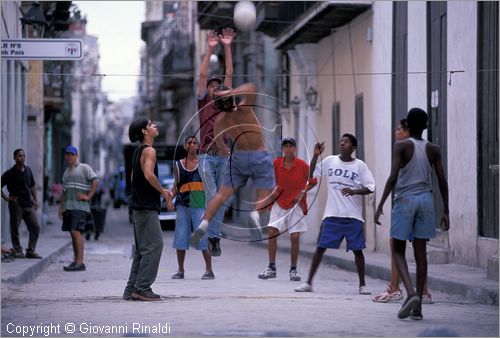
(145, 205)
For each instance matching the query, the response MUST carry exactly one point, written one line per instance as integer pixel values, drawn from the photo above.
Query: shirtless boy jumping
(249, 157)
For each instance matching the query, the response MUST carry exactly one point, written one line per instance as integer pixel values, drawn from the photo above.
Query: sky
(117, 24)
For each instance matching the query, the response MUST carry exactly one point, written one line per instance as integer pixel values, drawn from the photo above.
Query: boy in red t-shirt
(290, 206)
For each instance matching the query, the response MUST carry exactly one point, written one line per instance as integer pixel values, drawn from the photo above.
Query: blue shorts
(334, 229)
(413, 217)
(245, 164)
(188, 220)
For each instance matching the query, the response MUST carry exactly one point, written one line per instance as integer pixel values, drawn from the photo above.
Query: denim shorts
(413, 216)
(74, 220)
(187, 219)
(334, 229)
(245, 164)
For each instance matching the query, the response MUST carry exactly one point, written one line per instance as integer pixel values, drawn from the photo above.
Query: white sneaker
(294, 276)
(267, 273)
(363, 290)
(388, 296)
(306, 287)
(196, 237)
(427, 298)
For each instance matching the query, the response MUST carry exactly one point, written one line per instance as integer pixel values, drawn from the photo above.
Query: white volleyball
(244, 15)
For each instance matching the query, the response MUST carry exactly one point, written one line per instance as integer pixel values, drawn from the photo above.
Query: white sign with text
(41, 49)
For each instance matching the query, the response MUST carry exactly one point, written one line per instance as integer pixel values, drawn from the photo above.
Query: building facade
(167, 65)
(37, 95)
(374, 62)
(14, 99)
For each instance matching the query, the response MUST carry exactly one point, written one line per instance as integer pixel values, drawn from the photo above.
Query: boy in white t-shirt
(348, 178)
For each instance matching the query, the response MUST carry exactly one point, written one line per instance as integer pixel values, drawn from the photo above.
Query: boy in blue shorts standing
(190, 205)
(413, 211)
(348, 178)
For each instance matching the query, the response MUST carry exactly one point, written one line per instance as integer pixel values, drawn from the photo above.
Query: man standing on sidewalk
(290, 206)
(23, 204)
(79, 185)
(348, 179)
(145, 204)
(413, 211)
(212, 159)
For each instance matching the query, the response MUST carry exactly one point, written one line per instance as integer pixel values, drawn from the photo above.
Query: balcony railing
(178, 64)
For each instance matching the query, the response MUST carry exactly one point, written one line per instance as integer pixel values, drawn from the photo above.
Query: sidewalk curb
(468, 289)
(34, 270)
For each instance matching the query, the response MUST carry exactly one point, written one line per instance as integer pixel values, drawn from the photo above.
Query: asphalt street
(236, 303)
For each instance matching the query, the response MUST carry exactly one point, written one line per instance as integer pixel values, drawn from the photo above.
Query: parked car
(167, 180)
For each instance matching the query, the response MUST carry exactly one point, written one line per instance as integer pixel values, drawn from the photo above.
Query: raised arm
(391, 180)
(226, 38)
(212, 41)
(318, 149)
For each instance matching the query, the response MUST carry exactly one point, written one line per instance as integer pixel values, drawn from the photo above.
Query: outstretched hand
(227, 36)
(319, 148)
(212, 39)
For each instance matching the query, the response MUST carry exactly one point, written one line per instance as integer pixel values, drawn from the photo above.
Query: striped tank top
(190, 191)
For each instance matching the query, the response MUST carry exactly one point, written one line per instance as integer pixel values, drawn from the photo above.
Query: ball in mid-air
(244, 15)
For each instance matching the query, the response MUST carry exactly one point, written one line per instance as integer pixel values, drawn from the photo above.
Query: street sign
(41, 49)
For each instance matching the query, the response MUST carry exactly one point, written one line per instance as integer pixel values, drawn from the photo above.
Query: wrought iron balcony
(215, 14)
(178, 64)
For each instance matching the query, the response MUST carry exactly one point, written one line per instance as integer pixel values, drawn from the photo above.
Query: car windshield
(165, 174)
(165, 169)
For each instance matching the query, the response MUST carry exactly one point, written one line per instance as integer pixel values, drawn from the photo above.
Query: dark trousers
(18, 213)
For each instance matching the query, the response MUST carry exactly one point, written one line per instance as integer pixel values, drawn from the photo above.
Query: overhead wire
(188, 75)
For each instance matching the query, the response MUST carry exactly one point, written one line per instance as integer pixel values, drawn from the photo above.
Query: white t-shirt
(339, 175)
